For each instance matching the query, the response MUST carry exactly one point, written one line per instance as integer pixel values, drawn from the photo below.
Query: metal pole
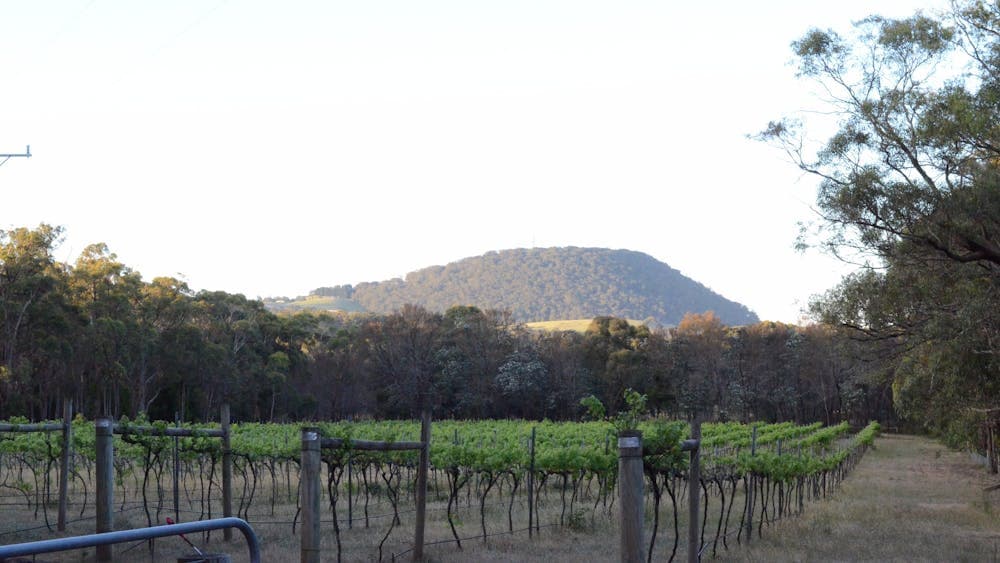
(227, 471)
(694, 494)
(67, 452)
(425, 437)
(5, 157)
(630, 492)
(25, 154)
(105, 446)
(310, 491)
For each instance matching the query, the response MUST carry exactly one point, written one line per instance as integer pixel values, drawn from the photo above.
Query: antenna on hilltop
(6, 157)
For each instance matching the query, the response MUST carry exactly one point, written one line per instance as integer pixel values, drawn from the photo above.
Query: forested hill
(541, 284)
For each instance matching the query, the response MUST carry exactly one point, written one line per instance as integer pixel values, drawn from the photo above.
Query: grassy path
(910, 499)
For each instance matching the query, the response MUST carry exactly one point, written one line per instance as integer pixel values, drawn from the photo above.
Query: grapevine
(780, 466)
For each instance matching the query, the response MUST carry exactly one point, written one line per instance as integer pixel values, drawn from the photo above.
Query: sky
(270, 148)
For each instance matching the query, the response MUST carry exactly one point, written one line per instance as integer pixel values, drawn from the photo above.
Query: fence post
(425, 437)
(67, 452)
(227, 471)
(630, 491)
(104, 437)
(752, 481)
(694, 494)
(531, 482)
(177, 471)
(350, 491)
(310, 487)
(991, 446)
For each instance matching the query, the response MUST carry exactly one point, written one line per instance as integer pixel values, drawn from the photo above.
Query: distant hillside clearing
(574, 325)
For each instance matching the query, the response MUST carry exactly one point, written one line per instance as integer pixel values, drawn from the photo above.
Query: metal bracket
(6, 157)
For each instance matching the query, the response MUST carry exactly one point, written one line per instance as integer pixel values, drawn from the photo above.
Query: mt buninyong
(540, 284)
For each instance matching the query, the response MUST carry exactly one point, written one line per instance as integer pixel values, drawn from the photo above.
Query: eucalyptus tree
(163, 309)
(106, 294)
(402, 351)
(523, 378)
(699, 344)
(35, 322)
(238, 337)
(335, 383)
(569, 377)
(613, 351)
(909, 187)
(474, 344)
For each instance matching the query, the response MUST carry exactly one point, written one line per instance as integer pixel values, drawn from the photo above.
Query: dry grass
(574, 325)
(909, 500)
(360, 543)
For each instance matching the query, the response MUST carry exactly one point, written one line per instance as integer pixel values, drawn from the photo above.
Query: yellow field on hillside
(576, 325)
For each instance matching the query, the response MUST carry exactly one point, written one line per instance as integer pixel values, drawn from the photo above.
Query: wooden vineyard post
(630, 493)
(227, 471)
(310, 487)
(991, 443)
(177, 471)
(995, 464)
(104, 438)
(350, 491)
(67, 452)
(531, 482)
(750, 489)
(425, 438)
(694, 493)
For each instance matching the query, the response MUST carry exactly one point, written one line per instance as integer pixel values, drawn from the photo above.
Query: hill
(543, 284)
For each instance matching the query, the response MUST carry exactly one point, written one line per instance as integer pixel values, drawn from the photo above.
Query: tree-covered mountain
(541, 284)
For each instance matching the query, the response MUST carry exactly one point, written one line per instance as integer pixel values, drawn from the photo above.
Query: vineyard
(486, 478)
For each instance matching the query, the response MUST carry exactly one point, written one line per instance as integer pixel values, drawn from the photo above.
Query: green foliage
(635, 408)
(909, 187)
(661, 442)
(867, 435)
(523, 373)
(595, 408)
(486, 448)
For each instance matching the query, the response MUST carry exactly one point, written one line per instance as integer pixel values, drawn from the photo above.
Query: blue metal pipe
(123, 536)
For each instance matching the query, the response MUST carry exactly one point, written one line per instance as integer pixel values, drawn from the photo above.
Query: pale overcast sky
(269, 148)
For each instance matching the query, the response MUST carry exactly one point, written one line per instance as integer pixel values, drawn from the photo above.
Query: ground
(910, 499)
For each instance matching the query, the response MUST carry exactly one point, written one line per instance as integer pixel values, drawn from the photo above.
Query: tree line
(95, 332)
